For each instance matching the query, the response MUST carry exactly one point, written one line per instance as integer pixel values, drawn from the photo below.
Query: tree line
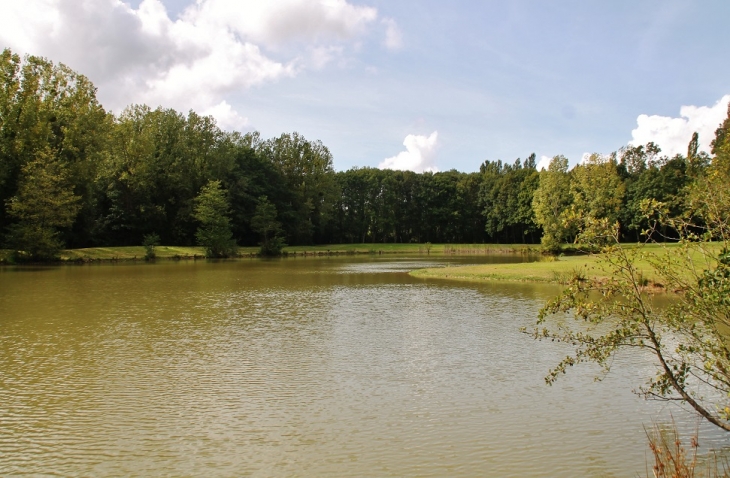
(74, 175)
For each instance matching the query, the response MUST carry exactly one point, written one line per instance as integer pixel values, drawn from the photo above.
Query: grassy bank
(132, 253)
(556, 270)
(435, 249)
(136, 253)
(542, 271)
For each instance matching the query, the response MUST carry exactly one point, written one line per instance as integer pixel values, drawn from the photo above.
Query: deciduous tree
(307, 167)
(597, 193)
(265, 223)
(551, 203)
(212, 212)
(44, 204)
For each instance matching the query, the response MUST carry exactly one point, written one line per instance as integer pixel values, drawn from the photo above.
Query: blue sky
(492, 80)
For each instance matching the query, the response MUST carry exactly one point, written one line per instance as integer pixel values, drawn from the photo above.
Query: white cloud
(544, 162)
(594, 158)
(274, 23)
(213, 49)
(322, 55)
(419, 155)
(674, 134)
(227, 117)
(393, 36)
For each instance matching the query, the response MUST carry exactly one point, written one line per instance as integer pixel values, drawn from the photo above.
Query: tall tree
(634, 162)
(307, 167)
(469, 215)
(212, 212)
(489, 192)
(247, 177)
(697, 160)
(265, 223)
(721, 144)
(159, 159)
(506, 196)
(708, 197)
(50, 109)
(597, 193)
(524, 215)
(44, 204)
(353, 206)
(551, 203)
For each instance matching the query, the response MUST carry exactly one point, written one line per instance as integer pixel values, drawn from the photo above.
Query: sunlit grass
(541, 271)
(563, 268)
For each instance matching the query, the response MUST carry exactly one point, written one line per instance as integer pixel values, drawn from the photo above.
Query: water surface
(299, 367)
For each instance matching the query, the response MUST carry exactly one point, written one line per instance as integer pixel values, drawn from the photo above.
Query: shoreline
(178, 253)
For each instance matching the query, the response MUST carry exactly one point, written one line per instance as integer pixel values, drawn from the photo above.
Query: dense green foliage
(551, 202)
(211, 211)
(506, 194)
(44, 203)
(114, 180)
(264, 222)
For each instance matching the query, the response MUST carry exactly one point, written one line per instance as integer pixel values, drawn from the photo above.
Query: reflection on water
(306, 367)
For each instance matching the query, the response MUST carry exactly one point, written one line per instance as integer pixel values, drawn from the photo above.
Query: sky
(408, 84)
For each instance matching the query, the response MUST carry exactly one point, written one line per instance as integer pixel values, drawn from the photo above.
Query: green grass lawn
(541, 271)
(561, 269)
(130, 253)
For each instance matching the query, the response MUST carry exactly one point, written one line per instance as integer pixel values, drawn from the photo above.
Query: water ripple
(318, 368)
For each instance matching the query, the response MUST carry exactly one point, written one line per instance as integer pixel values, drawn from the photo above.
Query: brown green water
(298, 367)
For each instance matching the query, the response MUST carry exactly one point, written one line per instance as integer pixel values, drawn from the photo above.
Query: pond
(342, 366)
